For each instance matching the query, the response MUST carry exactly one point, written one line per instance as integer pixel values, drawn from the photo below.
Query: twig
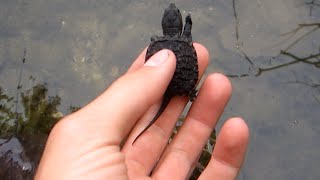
(303, 83)
(237, 76)
(305, 59)
(296, 60)
(316, 99)
(236, 19)
(304, 35)
(237, 32)
(309, 24)
(246, 56)
(18, 91)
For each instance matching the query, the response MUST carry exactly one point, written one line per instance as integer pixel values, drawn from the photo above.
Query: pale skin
(86, 144)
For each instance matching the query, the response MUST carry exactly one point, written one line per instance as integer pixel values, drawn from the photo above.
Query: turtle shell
(185, 76)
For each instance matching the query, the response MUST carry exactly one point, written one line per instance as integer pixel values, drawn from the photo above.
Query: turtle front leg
(187, 29)
(154, 38)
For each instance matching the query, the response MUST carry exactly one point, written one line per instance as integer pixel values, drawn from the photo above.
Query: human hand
(86, 144)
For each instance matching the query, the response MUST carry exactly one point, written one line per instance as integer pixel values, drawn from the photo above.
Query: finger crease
(224, 163)
(183, 153)
(160, 131)
(134, 162)
(200, 122)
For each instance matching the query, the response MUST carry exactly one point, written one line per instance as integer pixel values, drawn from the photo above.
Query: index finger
(202, 54)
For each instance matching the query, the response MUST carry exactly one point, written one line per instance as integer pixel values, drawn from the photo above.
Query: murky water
(269, 49)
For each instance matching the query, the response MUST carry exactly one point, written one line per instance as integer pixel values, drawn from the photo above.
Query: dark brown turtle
(186, 74)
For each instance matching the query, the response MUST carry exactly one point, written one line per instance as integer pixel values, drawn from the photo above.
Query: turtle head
(172, 21)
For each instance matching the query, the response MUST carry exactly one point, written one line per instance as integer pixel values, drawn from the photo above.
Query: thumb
(113, 114)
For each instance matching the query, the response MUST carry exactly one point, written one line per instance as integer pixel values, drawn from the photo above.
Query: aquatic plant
(6, 114)
(39, 115)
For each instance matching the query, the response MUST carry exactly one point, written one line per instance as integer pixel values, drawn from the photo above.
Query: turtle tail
(163, 106)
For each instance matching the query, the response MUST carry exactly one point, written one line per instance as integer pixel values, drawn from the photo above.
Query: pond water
(72, 50)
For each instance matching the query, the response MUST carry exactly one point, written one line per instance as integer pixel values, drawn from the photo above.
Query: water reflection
(312, 59)
(23, 134)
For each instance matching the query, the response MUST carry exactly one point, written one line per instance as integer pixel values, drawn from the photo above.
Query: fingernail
(158, 58)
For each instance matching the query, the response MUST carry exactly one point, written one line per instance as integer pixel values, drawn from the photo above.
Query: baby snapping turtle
(186, 74)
